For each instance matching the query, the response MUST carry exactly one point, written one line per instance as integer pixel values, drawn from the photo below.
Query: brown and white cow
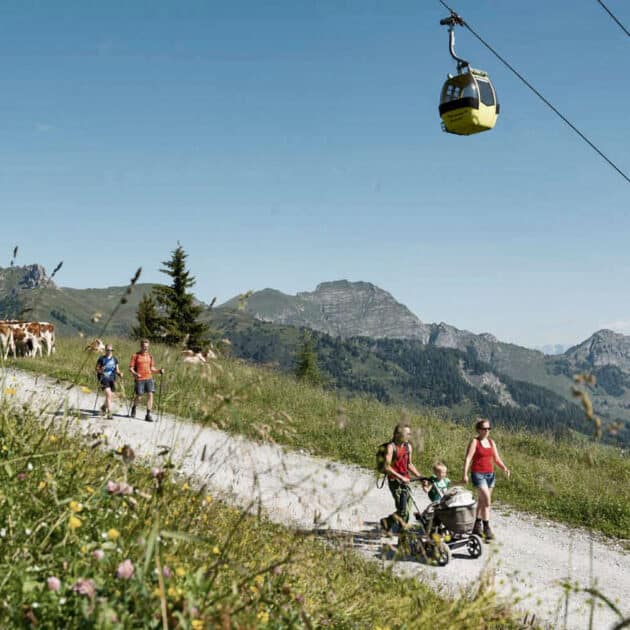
(7, 342)
(95, 345)
(29, 337)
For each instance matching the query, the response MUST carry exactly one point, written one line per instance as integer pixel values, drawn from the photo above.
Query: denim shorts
(483, 480)
(145, 387)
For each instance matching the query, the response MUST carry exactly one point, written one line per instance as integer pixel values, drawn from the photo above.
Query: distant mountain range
(367, 341)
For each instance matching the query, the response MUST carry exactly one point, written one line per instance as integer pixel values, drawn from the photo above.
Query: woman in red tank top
(481, 456)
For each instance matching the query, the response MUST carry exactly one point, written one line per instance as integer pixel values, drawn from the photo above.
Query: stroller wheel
(474, 546)
(439, 554)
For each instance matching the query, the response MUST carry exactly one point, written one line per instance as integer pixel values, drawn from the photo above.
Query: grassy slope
(219, 567)
(578, 483)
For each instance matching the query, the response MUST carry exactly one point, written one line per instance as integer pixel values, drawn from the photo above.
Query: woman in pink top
(481, 456)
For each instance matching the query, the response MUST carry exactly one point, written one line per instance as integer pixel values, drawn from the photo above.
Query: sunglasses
(485, 428)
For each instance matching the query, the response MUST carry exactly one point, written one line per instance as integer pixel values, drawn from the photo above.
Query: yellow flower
(86, 390)
(74, 522)
(9, 391)
(208, 499)
(185, 487)
(180, 571)
(75, 506)
(52, 438)
(259, 579)
(89, 489)
(172, 592)
(113, 534)
(41, 485)
(216, 551)
(196, 624)
(263, 617)
(157, 592)
(84, 549)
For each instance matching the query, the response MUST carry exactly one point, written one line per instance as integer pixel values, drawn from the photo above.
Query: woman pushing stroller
(397, 466)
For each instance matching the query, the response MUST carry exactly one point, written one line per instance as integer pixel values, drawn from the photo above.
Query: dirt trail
(530, 558)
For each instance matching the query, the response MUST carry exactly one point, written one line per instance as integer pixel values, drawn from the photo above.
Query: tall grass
(93, 539)
(578, 483)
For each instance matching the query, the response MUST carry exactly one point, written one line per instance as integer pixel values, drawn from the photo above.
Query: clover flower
(125, 570)
(53, 583)
(85, 587)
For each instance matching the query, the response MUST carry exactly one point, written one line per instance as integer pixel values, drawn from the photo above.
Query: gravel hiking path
(341, 502)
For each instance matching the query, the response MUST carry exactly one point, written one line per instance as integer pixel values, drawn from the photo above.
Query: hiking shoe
(132, 413)
(385, 526)
(477, 528)
(148, 417)
(487, 531)
(103, 408)
(109, 416)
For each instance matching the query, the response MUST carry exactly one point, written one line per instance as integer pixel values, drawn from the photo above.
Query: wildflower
(157, 592)
(113, 534)
(125, 570)
(185, 486)
(9, 391)
(21, 476)
(85, 587)
(216, 551)
(41, 485)
(86, 390)
(180, 571)
(75, 506)
(54, 583)
(98, 554)
(52, 438)
(196, 624)
(208, 499)
(119, 488)
(172, 591)
(263, 617)
(74, 522)
(166, 572)
(89, 489)
(277, 570)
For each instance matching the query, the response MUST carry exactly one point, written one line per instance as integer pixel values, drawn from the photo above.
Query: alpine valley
(368, 343)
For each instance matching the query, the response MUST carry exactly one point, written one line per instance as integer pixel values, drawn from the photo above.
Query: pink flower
(125, 570)
(119, 488)
(54, 584)
(166, 572)
(21, 476)
(98, 554)
(85, 587)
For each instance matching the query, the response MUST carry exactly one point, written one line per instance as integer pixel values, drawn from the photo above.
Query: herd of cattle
(27, 339)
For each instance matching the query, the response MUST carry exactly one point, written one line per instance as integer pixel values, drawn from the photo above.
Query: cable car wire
(612, 15)
(540, 96)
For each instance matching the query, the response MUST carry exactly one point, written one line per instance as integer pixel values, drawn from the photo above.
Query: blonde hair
(439, 465)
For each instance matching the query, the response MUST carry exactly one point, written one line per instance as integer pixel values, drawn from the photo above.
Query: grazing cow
(95, 346)
(26, 341)
(47, 337)
(197, 358)
(7, 342)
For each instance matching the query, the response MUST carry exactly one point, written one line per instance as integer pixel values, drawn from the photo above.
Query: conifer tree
(180, 313)
(150, 323)
(306, 368)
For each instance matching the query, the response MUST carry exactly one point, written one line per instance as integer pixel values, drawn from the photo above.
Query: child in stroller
(447, 522)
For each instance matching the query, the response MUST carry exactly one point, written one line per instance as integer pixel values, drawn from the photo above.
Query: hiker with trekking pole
(143, 369)
(107, 370)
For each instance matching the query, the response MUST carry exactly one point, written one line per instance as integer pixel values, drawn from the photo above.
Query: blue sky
(288, 143)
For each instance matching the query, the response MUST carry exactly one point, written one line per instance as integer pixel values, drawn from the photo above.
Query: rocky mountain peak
(602, 348)
(26, 277)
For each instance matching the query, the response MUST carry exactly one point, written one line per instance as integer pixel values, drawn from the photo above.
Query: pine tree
(306, 368)
(181, 314)
(150, 323)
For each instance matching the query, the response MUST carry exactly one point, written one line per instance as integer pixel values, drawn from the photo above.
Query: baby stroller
(444, 525)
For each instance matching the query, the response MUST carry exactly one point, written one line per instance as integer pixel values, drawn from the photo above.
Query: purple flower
(112, 487)
(119, 488)
(166, 572)
(98, 554)
(85, 587)
(125, 570)
(21, 476)
(54, 584)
